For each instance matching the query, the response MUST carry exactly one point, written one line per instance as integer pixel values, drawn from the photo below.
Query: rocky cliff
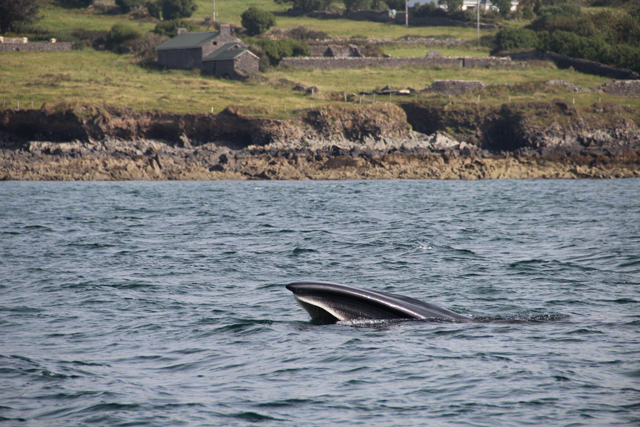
(453, 141)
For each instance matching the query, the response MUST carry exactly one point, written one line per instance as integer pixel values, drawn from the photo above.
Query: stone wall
(453, 87)
(335, 51)
(337, 63)
(35, 47)
(184, 59)
(587, 67)
(629, 88)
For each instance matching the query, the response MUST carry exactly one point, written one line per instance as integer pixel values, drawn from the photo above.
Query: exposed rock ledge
(328, 143)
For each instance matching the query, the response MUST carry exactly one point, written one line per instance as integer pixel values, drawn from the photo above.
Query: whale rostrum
(330, 303)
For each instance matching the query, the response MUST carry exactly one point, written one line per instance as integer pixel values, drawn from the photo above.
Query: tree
(127, 6)
(451, 5)
(174, 9)
(395, 4)
(257, 21)
(121, 33)
(307, 5)
(504, 6)
(357, 4)
(170, 28)
(17, 12)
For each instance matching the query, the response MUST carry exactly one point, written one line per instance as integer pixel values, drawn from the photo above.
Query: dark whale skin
(332, 302)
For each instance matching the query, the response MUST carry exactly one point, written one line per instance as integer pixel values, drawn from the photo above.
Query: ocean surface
(163, 303)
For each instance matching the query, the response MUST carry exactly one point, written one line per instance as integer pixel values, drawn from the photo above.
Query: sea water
(163, 303)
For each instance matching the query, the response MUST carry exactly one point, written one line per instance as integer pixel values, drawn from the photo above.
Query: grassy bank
(99, 78)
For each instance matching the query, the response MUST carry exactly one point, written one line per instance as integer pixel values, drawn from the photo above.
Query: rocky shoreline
(549, 140)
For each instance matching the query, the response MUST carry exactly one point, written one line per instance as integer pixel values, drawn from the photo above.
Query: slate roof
(189, 40)
(226, 52)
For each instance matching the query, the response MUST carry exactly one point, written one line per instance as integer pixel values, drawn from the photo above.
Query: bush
(174, 9)
(451, 5)
(504, 6)
(17, 13)
(257, 21)
(379, 5)
(74, 4)
(516, 38)
(528, 13)
(395, 4)
(121, 33)
(154, 9)
(278, 49)
(170, 28)
(357, 4)
(429, 9)
(307, 5)
(127, 6)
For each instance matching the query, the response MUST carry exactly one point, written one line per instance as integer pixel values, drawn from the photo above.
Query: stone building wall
(36, 47)
(247, 63)
(184, 59)
(338, 63)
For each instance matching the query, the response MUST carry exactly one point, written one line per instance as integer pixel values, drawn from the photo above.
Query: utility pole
(214, 10)
(406, 13)
(478, 7)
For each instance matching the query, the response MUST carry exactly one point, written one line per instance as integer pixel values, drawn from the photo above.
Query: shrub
(174, 9)
(127, 6)
(379, 5)
(121, 33)
(307, 5)
(74, 4)
(154, 9)
(504, 6)
(528, 13)
(170, 28)
(357, 4)
(395, 4)
(278, 49)
(451, 5)
(516, 38)
(429, 9)
(16, 13)
(257, 21)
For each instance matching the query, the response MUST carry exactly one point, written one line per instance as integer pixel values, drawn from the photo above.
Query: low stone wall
(587, 67)
(628, 89)
(453, 87)
(35, 47)
(337, 63)
(336, 51)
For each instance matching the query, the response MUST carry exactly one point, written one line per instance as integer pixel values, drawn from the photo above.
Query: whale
(329, 303)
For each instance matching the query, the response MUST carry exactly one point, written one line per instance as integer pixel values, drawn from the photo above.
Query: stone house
(216, 52)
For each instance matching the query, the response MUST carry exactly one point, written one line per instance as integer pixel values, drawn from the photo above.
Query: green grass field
(105, 78)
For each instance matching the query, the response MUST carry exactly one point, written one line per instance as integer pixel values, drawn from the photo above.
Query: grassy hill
(102, 77)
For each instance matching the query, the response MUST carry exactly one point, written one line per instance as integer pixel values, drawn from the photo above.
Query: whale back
(331, 302)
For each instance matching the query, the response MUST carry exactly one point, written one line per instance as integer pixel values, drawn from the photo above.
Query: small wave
(300, 251)
(102, 407)
(537, 318)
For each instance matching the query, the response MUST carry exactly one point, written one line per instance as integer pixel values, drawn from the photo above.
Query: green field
(105, 78)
